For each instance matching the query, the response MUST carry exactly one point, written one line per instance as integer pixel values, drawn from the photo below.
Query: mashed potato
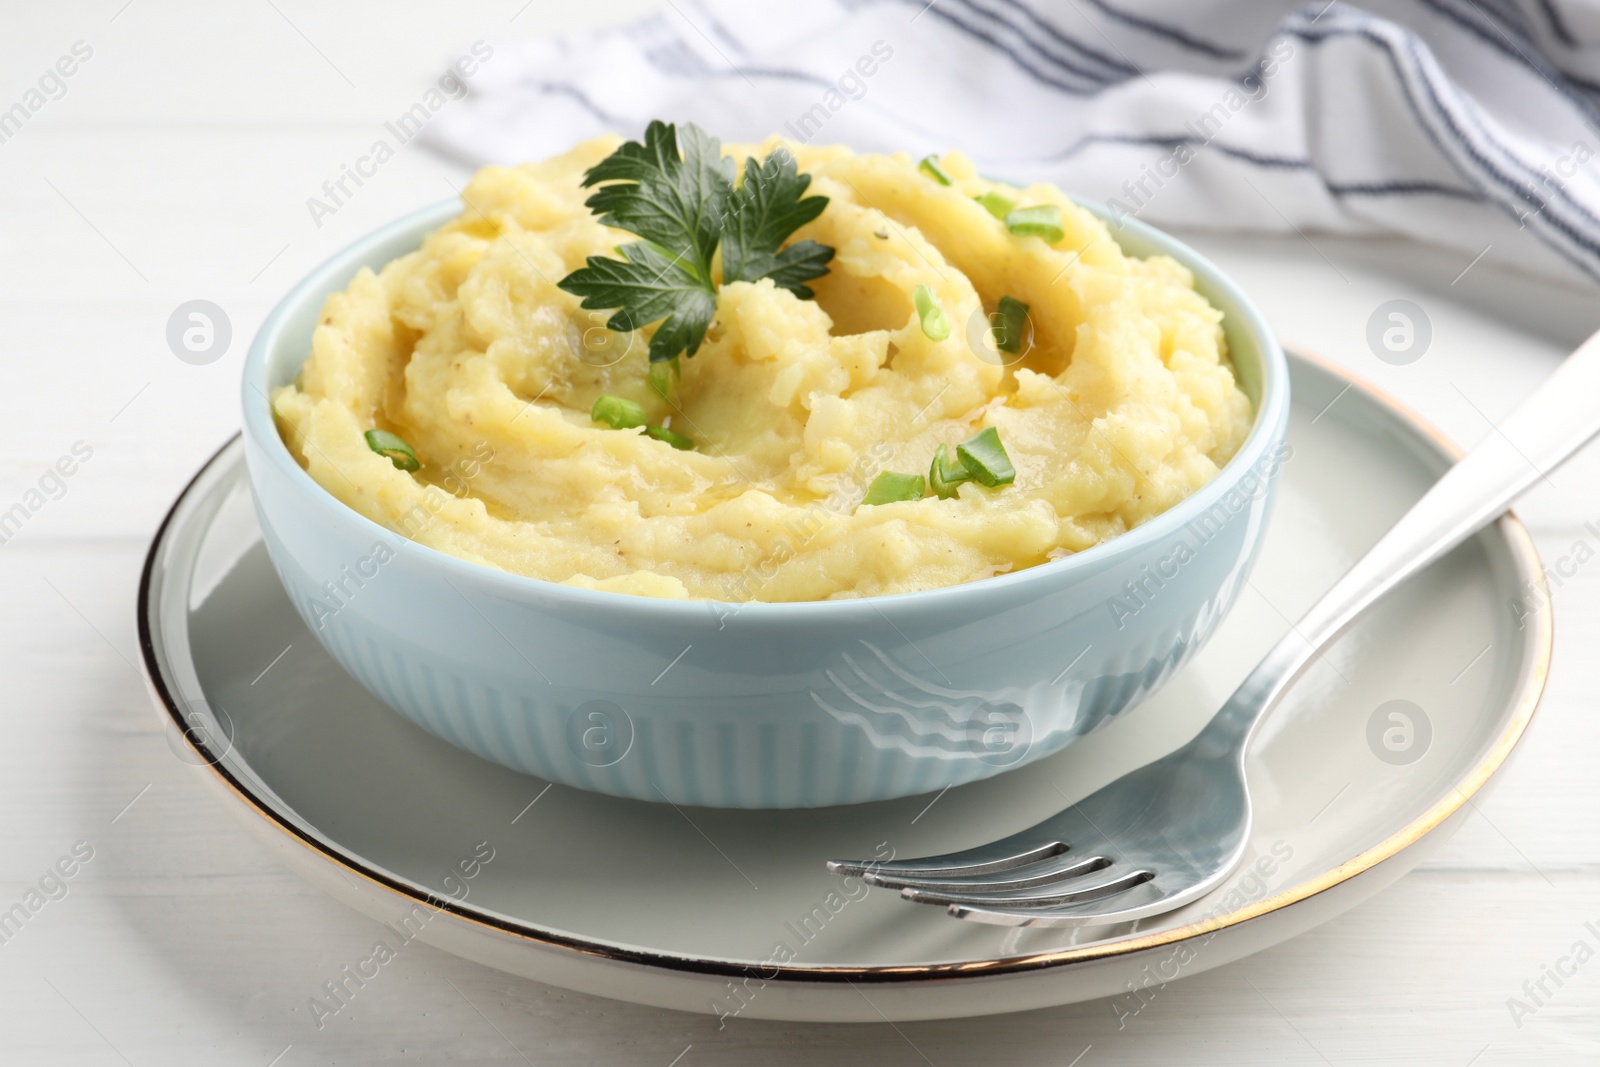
(1122, 404)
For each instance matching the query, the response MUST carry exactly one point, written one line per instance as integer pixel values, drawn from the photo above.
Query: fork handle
(1561, 416)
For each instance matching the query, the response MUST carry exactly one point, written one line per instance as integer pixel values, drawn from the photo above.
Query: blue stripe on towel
(1171, 34)
(1495, 175)
(938, 11)
(1122, 66)
(1558, 23)
(1495, 37)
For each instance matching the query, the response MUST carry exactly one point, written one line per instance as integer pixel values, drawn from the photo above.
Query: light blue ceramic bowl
(759, 705)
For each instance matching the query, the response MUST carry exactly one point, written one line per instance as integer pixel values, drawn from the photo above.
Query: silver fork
(1168, 833)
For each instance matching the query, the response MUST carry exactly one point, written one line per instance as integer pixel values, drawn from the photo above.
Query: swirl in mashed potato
(1122, 403)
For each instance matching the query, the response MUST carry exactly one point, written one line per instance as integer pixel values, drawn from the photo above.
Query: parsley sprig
(768, 206)
(676, 192)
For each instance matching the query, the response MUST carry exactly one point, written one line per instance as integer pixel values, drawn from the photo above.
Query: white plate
(732, 912)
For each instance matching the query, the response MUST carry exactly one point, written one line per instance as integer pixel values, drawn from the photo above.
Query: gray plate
(731, 911)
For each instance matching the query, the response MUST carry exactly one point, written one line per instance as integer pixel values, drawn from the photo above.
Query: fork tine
(1052, 919)
(1084, 915)
(1093, 891)
(1051, 875)
(951, 865)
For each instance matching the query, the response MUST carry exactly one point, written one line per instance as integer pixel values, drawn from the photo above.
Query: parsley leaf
(676, 202)
(675, 190)
(649, 284)
(766, 208)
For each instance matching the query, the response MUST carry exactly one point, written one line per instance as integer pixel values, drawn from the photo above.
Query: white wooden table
(176, 166)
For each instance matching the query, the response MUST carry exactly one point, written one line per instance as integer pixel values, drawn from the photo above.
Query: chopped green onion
(889, 488)
(1009, 323)
(1042, 220)
(985, 458)
(946, 473)
(930, 167)
(676, 440)
(934, 325)
(617, 412)
(997, 204)
(394, 449)
(663, 374)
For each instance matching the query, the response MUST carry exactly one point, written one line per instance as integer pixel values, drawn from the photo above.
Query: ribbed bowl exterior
(759, 705)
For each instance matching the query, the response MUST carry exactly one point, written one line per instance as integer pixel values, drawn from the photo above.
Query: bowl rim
(1269, 426)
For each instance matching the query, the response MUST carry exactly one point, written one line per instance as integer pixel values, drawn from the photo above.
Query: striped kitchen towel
(1472, 124)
